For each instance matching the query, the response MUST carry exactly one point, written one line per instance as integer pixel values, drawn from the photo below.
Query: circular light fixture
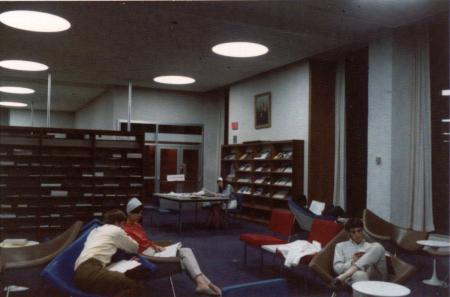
(13, 104)
(35, 21)
(174, 80)
(16, 90)
(240, 49)
(23, 65)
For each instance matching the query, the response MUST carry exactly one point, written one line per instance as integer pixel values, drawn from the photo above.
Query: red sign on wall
(234, 125)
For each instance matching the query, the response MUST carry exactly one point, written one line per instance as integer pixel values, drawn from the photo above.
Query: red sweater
(137, 232)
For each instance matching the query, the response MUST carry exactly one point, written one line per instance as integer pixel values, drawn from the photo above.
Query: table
(182, 198)
(380, 289)
(434, 244)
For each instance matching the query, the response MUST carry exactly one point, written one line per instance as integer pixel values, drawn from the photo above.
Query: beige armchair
(322, 263)
(403, 238)
(34, 255)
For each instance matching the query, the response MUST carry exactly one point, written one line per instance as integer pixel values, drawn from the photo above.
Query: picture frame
(263, 110)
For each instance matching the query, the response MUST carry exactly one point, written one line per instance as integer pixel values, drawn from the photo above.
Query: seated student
(215, 214)
(188, 261)
(101, 244)
(357, 260)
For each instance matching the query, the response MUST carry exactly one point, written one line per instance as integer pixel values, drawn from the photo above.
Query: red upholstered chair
(281, 223)
(323, 232)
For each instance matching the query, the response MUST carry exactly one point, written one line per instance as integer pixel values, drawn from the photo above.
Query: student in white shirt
(101, 244)
(356, 260)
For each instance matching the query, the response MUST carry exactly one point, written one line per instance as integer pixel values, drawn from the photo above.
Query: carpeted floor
(220, 255)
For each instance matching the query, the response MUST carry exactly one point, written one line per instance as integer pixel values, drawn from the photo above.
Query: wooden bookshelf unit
(266, 174)
(51, 177)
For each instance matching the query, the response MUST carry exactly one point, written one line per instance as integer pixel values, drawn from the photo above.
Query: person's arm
(137, 233)
(339, 263)
(125, 242)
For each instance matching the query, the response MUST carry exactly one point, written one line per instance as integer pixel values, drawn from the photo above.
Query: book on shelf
(280, 194)
(284, 181)
(245, 167)
(263, 155)
(245, 190)
(285, 155)
(244, 180)
(262, 180)
(245, 156)
(230, 157)
(288, 169)
(230, 177)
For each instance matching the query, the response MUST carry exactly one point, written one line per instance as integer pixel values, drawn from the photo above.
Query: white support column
(49, 96)
(130, 92)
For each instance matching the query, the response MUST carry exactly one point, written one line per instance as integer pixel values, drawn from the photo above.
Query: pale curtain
(419, 183)
(339, 192)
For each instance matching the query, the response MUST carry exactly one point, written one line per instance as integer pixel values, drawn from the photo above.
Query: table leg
(434, 280)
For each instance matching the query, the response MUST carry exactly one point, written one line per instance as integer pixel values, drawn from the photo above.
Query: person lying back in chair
(188, 261)
(357, 260)
(91, 274)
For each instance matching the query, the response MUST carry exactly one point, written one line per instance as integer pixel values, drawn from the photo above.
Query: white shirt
(344, 251)
(102, 243)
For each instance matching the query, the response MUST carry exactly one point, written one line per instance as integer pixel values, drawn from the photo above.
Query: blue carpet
(220, 255)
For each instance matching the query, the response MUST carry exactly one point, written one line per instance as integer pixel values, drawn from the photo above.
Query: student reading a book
(147, 247)
(357, 260)
(91, 274)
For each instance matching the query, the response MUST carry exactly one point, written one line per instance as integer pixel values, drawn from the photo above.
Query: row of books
(266, 180)
(281, 194)
(263, 155)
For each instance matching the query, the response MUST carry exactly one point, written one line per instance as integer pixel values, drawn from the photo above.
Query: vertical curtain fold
(420, 192)
(339, 190)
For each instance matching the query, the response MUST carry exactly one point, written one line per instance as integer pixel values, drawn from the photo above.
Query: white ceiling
(111, 43)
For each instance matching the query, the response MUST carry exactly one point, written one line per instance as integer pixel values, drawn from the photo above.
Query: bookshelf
(266, 174)
(51, 177)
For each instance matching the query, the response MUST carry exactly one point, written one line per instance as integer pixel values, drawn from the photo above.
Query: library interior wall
(391, 75)
(289, 87)
(169, 107)
(58, 119)
(380, 125)
(97, 114)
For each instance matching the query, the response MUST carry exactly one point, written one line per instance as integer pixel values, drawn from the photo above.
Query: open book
(170, 251)
(123, 265)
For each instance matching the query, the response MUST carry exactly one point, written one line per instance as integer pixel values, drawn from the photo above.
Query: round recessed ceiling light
(240, 49)
(16, 90)
(23, 65)
(13, 104)
(35, 21)
(174, 80)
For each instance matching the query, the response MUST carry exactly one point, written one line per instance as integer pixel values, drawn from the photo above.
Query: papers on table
(123, 265)
(170, 251)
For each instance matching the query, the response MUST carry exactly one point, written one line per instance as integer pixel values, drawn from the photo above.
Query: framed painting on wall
(262, 111)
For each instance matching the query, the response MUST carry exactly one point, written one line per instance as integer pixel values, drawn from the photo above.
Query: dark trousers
(92, 277)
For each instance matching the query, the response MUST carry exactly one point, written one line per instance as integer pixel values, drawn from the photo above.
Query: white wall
(97, 114)
(379, 125)
(289, 89)
(58, 119)
(391, 81)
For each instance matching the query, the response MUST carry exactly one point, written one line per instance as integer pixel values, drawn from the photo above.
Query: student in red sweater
(147, 247)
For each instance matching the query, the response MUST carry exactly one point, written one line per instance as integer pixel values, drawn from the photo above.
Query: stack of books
(283, 155)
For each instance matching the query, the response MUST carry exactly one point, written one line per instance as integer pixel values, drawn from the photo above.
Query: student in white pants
(188, 261)
(357, 260)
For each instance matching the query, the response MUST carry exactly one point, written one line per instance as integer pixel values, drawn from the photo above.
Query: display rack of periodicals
(266, 174)
(51, 177)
